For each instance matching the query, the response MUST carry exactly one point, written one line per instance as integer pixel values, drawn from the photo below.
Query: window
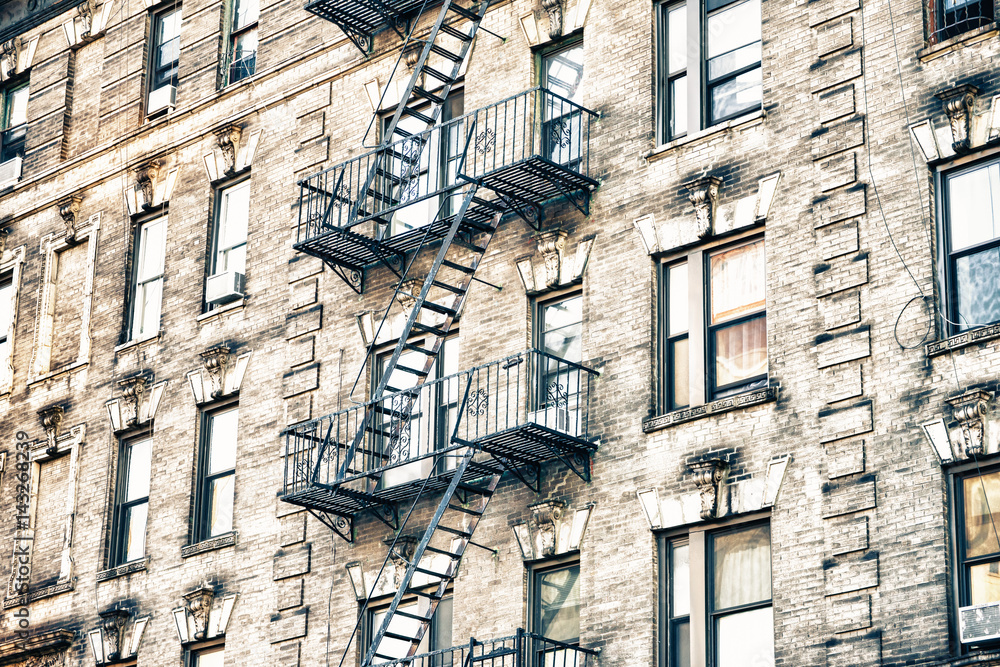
(418, 168)
(971, 245)
(214, 656)
(562, 74)
(722, 287)
(165, 51)
(554, 605)
(147, 281)
(416, 431)
(217, 474)
(978, 497)
(128, 536)
(6, 315)
(229, 237)
(558, 334)
(13, 121)
(438, 637)
(242, 48)
(725, 80)
(715, 598)
(949, 18)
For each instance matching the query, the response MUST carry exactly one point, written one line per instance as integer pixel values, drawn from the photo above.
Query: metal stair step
(470, 246)
(416, 371)
(443, 552)
(445, 53)
(416, 114)
(458, 267)
(455, 531)
(459, 508)
(467, 13)
(404, 638)
(433, 595)
(427, 95)
(421, 350)
(417, 326)
(455, 32)
(432, 573)
(443, 78)
(478, 490)
(438, 308)
(451, 288)
(415, 617)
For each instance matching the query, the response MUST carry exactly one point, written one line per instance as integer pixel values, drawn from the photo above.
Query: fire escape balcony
(524, 150)
(516, 412)
(523, 649)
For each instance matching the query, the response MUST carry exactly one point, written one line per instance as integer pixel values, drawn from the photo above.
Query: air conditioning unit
(979, 623)
(10, 171)
(224, 287)
(162, 98)
(558, 418)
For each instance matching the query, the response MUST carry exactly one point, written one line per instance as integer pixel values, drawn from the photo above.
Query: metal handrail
(510, 651)
(408, 171)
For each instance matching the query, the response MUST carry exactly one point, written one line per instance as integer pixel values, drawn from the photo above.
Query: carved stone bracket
(145, 175)
(703, 193)
(708, 476)
(216, 359)
(9, 53)
(138, 401)
(407, 295)
(69, 209)
(959, 103)
(970, 412)
(551, 246)
(113, 624)
(87, 13)
(546, 520)
(219, 375)
(554, 10)
(204, 615)
(52, 418)
(199, 606)
(229, 142)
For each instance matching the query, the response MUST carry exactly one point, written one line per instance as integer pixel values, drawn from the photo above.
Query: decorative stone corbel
(87, 13)
(4, 233)
(113, 624)
(407, 295)
(703, 193)
(132, 390)
(546, 520)
(144, 176)
(138, 402)
(229, 142)
(69, 209)
(10, 51)
(219, 376)
(551, 246)
(52, 418)
(554, 10)
(199, 606)
(401, 556)
(200, 618)
(958, 104)
(970, 412)
(708, 476)
(118, 636)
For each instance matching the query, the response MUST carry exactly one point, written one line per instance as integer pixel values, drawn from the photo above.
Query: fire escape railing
(530, 389)
(534, 124)
(523, 649)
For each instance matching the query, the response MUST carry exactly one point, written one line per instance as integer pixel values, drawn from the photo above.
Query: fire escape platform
(363, 17)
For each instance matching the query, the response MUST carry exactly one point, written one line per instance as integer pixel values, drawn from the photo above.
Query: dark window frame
(570, 121)
(132, 289)
(117, 544)
(699, 110)
(368, 628)
(234, 33)
(943, 24)
(541, 376)
(12, 148)
(698, 538)
(701, 353)
(192, 652)
(216, 227)
(7, 279)
(947, 280)
(155, 74)
(537, 569)
(201, 525)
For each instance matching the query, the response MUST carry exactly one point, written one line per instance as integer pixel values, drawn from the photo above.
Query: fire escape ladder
(448, 278)
(450, 529)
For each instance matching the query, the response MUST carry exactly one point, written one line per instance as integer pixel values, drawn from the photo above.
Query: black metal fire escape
(510, 158)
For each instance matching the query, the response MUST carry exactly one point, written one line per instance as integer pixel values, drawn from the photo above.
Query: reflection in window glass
(558, 604)
(738, 322)
(148, 287)
(741, 597)
(219, 470)
(133, 501)
(981, 500)
(231, 231)
(974, 245)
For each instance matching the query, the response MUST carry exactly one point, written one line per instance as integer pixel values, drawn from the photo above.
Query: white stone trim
(12, 261)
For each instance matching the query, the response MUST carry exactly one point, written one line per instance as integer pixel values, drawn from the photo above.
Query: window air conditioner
(162, 98)
(223, 288)
(558, 418)
(979, 623)
(10, 171)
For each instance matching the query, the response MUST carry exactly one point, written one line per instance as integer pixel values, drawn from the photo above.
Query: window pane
(211, 657)
(984, 583)
(737, 281)
(135, 535)
(742, 562)
(150, 258)
(400, 625)
(974, 206)
(733, 61)
(741, 351)
(677, 39)
(245, 12)
(680, 582)
(137, 480)
(677, 279)
(246, 47)
(147, 320)
(222, 442)
(6, 308)
(680, 645)
(680, 373)
(441, 626)
(745, 639)
(559, 604)
(169, 25)
(977, 283)
(678, 106)
(982, 514)
(562, 328)
(235, 215)
(17, 114)
(737, 95)
(563, 72)
(733, 27)
(221, 505)
(563, 313)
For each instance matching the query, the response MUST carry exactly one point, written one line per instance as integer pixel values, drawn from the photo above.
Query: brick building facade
(753, 270)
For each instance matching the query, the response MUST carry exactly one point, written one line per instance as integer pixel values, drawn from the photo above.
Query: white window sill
(68, 368)
(221, 310)
(749, 120)
(957, 42)
(124, 347)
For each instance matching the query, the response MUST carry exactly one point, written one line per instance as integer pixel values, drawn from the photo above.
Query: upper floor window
(147, 281)
(6, 315)
(212, 656)
(229, 245)
(716, 597)
(13, 121)
(559, 335)
(562, 75)
(437, 638)
(216, 474)
(949, 18)
(131, 512)
(555, 604)
(242, 47)
(164, 55)
(709, 63)
(713, 324)
(971, 245)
